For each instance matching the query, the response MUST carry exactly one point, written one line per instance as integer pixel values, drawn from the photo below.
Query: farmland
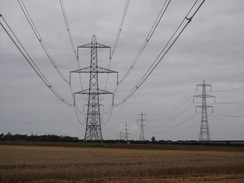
(47, 164)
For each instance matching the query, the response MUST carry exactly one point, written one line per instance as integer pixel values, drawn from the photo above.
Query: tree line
(49, 137)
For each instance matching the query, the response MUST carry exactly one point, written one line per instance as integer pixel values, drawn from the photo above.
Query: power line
(110, 112)
(39, 38)
(31, 62)
(175, 109)
(231, 90)
(184, 121)
(117, 38)
(76, 53)
(120, 27)
(217, 114)
(181, 130)
(164, 51)
(181, 123)
(231, 103)
(175, 116)
(149, 36)
(67, 27)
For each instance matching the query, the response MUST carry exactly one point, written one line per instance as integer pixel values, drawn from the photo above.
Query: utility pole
(141, 119)
(204, 129)
(93, 116)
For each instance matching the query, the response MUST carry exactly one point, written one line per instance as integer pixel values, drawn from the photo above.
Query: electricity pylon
(204, 129)
(126, 129)
(93, 115)
(141, 119)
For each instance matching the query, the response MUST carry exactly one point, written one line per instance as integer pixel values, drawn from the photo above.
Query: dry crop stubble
(66, 164)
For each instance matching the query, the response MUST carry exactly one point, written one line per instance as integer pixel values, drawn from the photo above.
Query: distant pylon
(204, 128)
(126, 129)
(142, 119)
(93, 115)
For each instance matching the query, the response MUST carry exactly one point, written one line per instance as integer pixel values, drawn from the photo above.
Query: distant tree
(153, 139)
(48, 137)
(8, 136)
(2, 136)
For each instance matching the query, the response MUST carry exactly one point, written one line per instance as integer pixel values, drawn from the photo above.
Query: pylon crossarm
(88, 70)
(208, 96)
(98, 45)
(98, 92)
(197, 96)
(83, 70)
(103, 70)
(91, 45)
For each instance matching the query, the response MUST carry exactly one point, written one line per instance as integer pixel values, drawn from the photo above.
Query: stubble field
(77, 165)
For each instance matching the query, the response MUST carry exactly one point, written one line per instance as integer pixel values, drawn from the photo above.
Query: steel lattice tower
(142, 119)
(204, 128)
(93, 116)
(126, 134)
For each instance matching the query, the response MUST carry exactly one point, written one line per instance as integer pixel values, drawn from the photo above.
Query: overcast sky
(211, 48)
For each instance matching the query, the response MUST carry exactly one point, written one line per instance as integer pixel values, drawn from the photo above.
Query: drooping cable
(184, 129)
(120, 27)
(31, 62)
(40, 40)
(71, 39)
(76, 109)
(231, 90)
(67, 27)
(158, 19)
(110, 111)
(149, 36)
(117, 40)
(38, 36)
(175, 109)
(175, 116)
(112, 53)
(217, 114)
(181, 123)
(164, 51)
(231, 103)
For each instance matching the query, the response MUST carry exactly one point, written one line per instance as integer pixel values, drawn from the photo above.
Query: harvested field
(73, 164)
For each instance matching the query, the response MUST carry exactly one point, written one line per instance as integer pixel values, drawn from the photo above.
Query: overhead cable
(175, 116)
(120, 27)
(217, 114)
(67, 27)
(165, 50)
(184, 129)
(38, 36)
(234, 103)
(117, 40)
(182, 122)
(71, 39)
(149, 36)
(231, 90)
(175, 109)
(31, 62)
